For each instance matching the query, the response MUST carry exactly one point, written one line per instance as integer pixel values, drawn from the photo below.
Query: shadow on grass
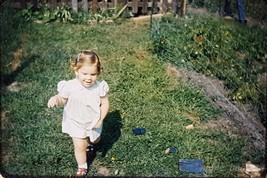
(8, 79)
(111, 132)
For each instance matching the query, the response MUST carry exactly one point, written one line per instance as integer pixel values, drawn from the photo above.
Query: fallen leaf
(252, 170)
(191, 126)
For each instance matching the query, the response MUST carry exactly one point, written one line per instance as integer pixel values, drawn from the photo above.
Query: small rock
(116, 172)
(252, 170)
(170, 150)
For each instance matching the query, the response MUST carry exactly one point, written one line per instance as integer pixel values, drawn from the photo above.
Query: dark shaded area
(111, 132)
(8, 79)
(5, 81)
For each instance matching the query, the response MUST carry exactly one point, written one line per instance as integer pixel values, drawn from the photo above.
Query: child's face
(87, 75)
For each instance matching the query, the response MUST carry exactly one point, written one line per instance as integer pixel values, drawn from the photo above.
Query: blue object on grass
(139, 131)
(172, 150)
(191, 165)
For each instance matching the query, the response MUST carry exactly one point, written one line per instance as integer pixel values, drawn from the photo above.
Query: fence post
(184, 7)
(23, 4)
(66, 2)
(74, 4)
(144, 6)
(115, 3)
(104, 4)
(85, 5)
(154, 6)
(94, 6)
(53, 3)
(135, 6)
(34, 4)
(176, 7)
(164, 6)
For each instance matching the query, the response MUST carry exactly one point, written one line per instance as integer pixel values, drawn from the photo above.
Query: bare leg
(80, 145)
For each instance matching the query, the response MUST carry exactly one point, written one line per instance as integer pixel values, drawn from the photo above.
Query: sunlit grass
(140, 96)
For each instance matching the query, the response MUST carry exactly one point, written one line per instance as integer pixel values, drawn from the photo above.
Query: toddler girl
(86, 104)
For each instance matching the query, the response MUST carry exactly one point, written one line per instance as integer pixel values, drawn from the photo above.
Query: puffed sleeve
(104, 88)
(63, 89)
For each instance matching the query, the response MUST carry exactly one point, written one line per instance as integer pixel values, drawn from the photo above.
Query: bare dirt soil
(237, 118)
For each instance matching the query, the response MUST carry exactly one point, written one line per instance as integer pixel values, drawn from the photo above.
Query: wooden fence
(135, 6)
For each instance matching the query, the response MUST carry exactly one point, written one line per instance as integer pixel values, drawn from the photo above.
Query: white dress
(82, 110)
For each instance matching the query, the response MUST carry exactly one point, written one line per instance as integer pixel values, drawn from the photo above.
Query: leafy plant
(104, 13)
(63, 13)
(27, 13)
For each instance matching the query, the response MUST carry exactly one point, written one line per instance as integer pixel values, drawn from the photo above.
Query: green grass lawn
(142, 94)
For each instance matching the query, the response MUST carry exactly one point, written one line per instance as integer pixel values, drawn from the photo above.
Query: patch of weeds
(228, 51)
(65, 14)
(62, 13)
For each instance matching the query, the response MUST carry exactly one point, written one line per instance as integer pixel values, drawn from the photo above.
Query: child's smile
(87, 75)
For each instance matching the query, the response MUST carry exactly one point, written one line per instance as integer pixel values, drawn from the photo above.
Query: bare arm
(104, 108)
(56, 101)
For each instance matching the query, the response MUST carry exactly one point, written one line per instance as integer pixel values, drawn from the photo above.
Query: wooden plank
(176, 6)
(94, 6)
(34, 4)
(52, 4)
(164, 6)
(135, 6)
(121, 11)
(145, 6)
(115, 3)
(74, 5)
(184, 7)
(23, 4)
(173, 6)
(105, 4)
(85, 5)
(155, 6)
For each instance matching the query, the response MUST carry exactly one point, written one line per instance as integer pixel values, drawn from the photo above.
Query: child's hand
(56, 100)
(53, 101)
(98, 124)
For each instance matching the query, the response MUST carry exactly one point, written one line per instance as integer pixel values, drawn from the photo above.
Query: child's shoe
(81, 172)
(91, 154)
